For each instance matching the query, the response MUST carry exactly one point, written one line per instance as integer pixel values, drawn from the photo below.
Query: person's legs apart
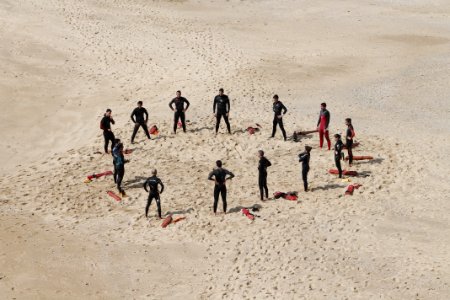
(149, 202)
(274, 126)
(135, 130)
(280, 122)
(158, 203)
(144, 125)
(175, 121)
(327, 137)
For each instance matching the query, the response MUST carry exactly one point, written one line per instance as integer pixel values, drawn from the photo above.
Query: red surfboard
(344, 172)
(114, 195)
(180, 124)
(291, 197)
(178, 219)
(365, 157)
(166, 221)
(154, 130)
(248, 214)
(351, 188)
(128, 151)
(90, 177)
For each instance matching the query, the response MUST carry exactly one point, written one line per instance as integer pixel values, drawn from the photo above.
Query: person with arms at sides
(105, 125)
(153, 192)
(322, 125)
(263, 164)
(350, 134)
(304, 158)
(221, 108)
(338, 153)
(139, 116)
(279, 111)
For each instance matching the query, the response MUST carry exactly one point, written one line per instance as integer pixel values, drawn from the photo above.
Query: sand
(385, 64)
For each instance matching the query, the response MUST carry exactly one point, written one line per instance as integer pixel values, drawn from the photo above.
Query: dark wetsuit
(350, 134)
(220, 188)
(278, 109)
(338, 156)
(179, 113)
(119, 167)
(223, 108)
(139, 116)
(304, 159)
(264, 163)
(152, 183)
(107, 133)
(324, 121)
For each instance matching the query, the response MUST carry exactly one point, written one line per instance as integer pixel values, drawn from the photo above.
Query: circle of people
(221, 108)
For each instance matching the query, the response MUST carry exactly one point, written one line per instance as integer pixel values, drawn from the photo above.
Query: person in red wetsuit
(350, 134)
(322, 124)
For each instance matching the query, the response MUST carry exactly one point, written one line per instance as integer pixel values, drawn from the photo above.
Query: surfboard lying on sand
(94, 176)
(351, 188)
(114, 195)
(167, 221)
(248, 214)
(344, 172)
(364, 157)
(154, 130)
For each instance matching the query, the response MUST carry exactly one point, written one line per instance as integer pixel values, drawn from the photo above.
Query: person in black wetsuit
(119, 165)
(222, 102)
(263, 164)
(139, 116)
(338, 153)
(304, 159)
(105, 125)
(153, 192)
(350, 134)
(279, 111)
(179, 111)
(220, 188)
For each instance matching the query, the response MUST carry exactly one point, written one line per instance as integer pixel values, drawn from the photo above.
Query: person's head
(219, 164)
(275, 98)
(260, 153)
(337, 137)
(139, 104)
(323, 106)
(308, 148)
(154, 172)
(108, 112)
(348, 121)
(221, 91)
(178, 94)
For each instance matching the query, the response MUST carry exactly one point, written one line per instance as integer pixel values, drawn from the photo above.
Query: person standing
(304, 159)
(119, 165)
(153, 192)
(179, 110)
(222, 103)
(220, 188)
(263, 164)
(139, 116)
(279, 111)
(338, 153)
(105, 125)
(322, 125)
(350, 134)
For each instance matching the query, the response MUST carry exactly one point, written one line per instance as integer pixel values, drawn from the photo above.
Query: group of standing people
(221, 109)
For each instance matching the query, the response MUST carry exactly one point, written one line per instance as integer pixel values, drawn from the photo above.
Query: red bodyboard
(365, 157)
(178, 219)
(344, 172)
(128, 151)
(166, 221)
(154, 130)
(180, 124)
(114, 195)
(248, 214)
(351, 188)
(90, 177)
(291, 197)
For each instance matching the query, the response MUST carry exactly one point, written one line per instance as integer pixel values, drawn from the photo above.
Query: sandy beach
(385, 64)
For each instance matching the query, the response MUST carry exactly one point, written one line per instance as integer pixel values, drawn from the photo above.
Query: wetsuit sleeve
(187, 103)
(112, 120)
(318, 122)
(228, 105)
(133, 113)
(162, 186)
(229, 174)
(301, 157)
(145, 185)
(146, 114)
(210, 176)
(268, 163)
(283, 108)
(171, 104)
(214, 105)
(103, 121)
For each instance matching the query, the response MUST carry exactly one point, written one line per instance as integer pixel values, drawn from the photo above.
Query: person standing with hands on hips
(179, 110)
(139, 116)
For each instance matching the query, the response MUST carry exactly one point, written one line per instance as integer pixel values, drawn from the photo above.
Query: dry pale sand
(384, 63)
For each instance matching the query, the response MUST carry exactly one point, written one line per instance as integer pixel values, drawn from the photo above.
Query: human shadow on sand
(137, 182)
(254, 207)
(327, 187)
